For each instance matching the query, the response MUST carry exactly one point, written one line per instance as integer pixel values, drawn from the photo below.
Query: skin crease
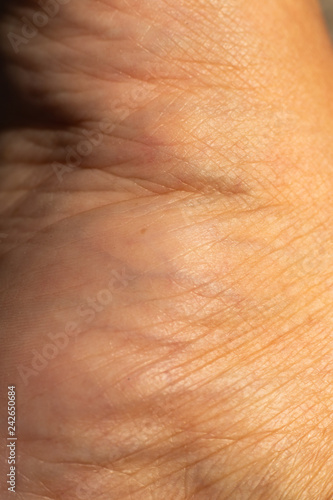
(166, 250)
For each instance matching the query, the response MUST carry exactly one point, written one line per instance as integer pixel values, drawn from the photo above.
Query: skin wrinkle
(267, 394)
(173, 472)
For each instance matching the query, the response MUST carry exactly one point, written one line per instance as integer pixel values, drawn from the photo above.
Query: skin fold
(166, 249)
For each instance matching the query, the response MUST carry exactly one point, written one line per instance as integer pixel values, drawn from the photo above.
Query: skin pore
(166, 249)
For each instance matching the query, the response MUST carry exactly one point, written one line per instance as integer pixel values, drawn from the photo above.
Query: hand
(166, 246)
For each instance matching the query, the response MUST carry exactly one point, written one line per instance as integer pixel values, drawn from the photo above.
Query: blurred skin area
(166, 249)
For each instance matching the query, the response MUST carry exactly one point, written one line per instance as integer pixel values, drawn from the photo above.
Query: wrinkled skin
(167, 288)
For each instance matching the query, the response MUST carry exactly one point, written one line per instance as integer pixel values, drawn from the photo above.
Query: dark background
(328, 10)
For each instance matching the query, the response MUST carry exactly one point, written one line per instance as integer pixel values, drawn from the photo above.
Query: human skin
(182, 269)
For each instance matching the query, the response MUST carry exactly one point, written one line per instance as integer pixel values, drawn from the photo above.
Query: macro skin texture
(166, 249)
